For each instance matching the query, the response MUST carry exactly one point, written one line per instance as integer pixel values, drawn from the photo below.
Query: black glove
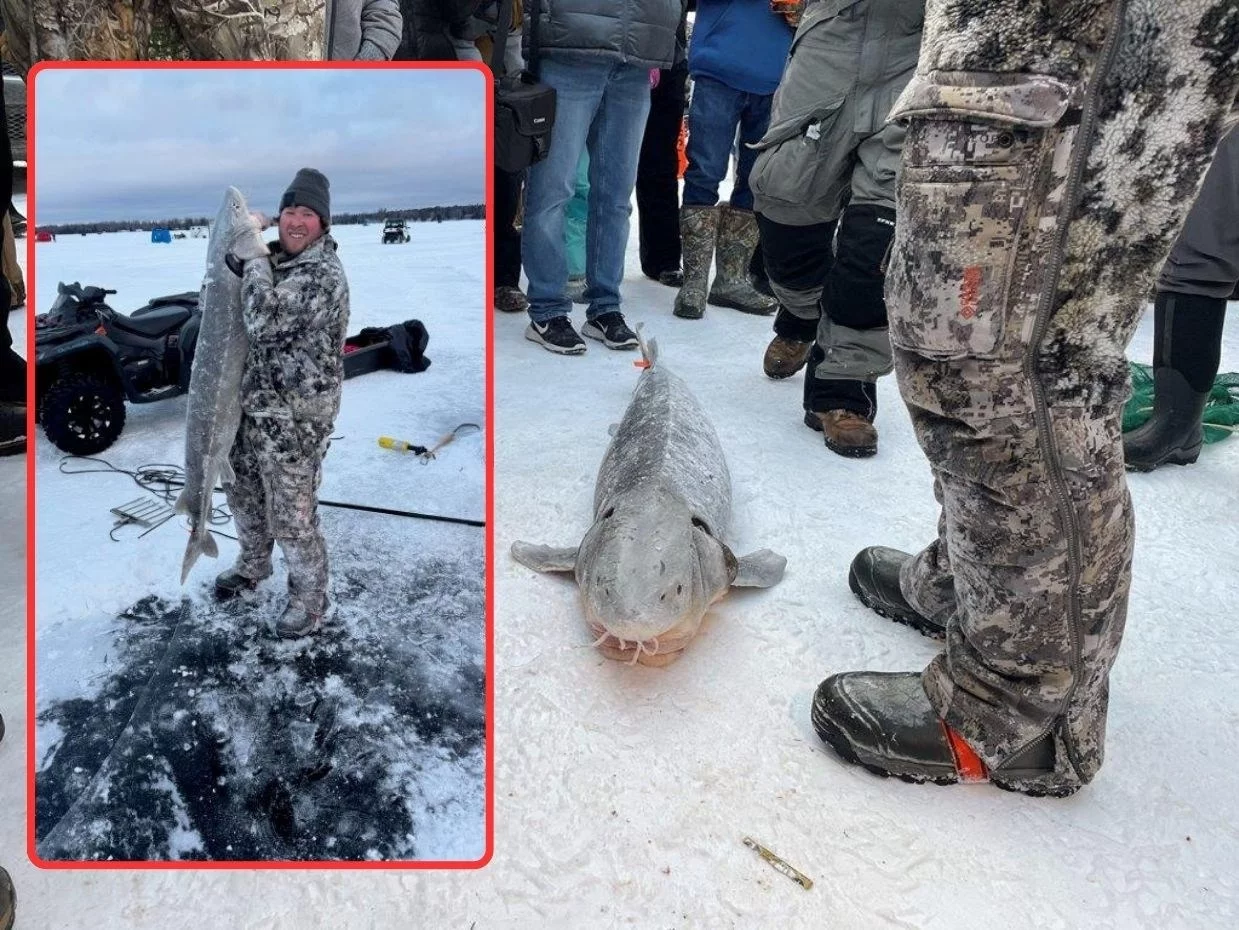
(235, 265)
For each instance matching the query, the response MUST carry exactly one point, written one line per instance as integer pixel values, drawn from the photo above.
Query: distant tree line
(474, 211)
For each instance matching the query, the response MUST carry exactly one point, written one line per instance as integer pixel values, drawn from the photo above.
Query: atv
(395, 231)
(91, 359)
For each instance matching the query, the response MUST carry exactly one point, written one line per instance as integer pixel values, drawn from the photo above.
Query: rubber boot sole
(736, 305)
(1179, 456)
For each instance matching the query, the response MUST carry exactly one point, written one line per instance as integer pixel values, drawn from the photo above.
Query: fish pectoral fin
(226, 475)
(544, 558)
(209, 546)
(760, 569)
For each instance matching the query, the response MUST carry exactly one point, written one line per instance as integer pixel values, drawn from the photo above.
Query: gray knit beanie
(309, 189)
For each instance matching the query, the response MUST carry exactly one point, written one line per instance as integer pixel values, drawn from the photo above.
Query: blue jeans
(601, 103)
(713, 115)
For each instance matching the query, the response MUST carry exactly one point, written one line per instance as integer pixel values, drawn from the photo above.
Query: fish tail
(649, 350)
(200, 542)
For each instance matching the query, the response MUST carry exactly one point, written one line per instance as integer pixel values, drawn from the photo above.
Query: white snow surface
(623, 794)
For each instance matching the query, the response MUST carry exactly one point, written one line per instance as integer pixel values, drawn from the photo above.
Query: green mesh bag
(1221, 418)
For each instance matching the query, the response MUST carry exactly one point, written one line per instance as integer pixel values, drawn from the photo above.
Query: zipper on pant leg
(1041, 324)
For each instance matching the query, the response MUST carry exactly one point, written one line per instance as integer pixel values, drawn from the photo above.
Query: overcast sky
(152, 144)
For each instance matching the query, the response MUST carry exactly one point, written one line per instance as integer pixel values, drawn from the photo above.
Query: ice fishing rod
(403, 513)
(164, 481)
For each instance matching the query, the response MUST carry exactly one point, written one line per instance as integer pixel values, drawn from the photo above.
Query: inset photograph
(260, 622)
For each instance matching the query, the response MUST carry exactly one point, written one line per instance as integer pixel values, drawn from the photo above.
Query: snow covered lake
(623, 794)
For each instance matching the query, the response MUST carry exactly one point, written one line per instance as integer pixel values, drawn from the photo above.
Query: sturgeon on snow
(214, 411)
(655, 558)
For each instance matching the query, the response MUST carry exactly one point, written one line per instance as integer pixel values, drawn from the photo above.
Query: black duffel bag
(524, 108)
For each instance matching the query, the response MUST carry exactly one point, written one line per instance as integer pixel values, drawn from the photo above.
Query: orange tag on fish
(641, 363)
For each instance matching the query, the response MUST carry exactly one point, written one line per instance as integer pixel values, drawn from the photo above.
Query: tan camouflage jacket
(241, 30)
(296, 315)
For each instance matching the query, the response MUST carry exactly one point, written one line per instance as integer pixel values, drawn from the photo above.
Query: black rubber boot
(874, 578)
(883, 721)
(1187, 340)
(232, 584)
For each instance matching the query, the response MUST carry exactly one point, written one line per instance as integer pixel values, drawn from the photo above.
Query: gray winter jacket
(368, 30)
(867, 50)
(639, 32)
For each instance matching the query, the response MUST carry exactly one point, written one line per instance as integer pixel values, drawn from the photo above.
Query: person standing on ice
(824, 186)
(1053, 151)
(295, 304)
(1188, 311)
(735, 60)
(597, 54)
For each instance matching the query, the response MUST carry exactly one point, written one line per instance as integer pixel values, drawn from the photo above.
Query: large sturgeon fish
(215, 385)
(655, 558)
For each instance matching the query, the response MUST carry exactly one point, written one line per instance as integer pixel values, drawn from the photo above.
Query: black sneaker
(556, 335)
(874, 579)
(610, 329)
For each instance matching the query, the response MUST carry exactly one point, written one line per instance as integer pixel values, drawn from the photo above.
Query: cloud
(148, 143)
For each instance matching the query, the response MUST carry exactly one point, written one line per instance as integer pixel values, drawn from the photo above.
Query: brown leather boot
(785, 357)
(846, 433)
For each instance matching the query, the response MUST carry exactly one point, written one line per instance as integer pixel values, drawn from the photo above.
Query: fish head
(245, 241)
(648, 570)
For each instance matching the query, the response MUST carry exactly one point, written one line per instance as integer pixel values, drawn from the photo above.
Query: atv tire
(83, 413)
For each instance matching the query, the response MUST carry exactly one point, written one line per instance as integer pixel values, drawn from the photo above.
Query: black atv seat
(155, 321)
(189, 297)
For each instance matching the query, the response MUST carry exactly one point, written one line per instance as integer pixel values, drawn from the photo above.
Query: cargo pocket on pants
(788, 159)
(963, 192)
(973, 158)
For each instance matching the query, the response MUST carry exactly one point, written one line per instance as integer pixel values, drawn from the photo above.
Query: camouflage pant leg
(247, 499)
(926, 580)
(1019, 271)
(293, 496)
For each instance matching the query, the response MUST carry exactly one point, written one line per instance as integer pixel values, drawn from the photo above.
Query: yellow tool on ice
(399, 445)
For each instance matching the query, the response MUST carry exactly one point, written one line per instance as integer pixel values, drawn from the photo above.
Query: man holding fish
(294, 306)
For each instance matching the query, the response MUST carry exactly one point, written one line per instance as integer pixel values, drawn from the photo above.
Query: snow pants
(1034, 213)
(1205, 259)
(824, 191)
(278, 466)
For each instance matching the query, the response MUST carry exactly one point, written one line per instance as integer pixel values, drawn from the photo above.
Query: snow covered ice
(623, 794)
(170, 731)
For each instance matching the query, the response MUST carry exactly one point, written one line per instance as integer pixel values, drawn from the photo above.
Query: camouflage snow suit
(1054, 148)
(296, 316)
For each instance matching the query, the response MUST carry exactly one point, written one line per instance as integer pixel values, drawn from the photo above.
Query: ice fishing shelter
(159, 234)
(42, 236)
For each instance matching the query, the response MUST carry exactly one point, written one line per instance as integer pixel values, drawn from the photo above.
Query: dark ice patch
(215, 740)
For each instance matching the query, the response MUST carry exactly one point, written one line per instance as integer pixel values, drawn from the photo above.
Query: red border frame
(31, 456)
